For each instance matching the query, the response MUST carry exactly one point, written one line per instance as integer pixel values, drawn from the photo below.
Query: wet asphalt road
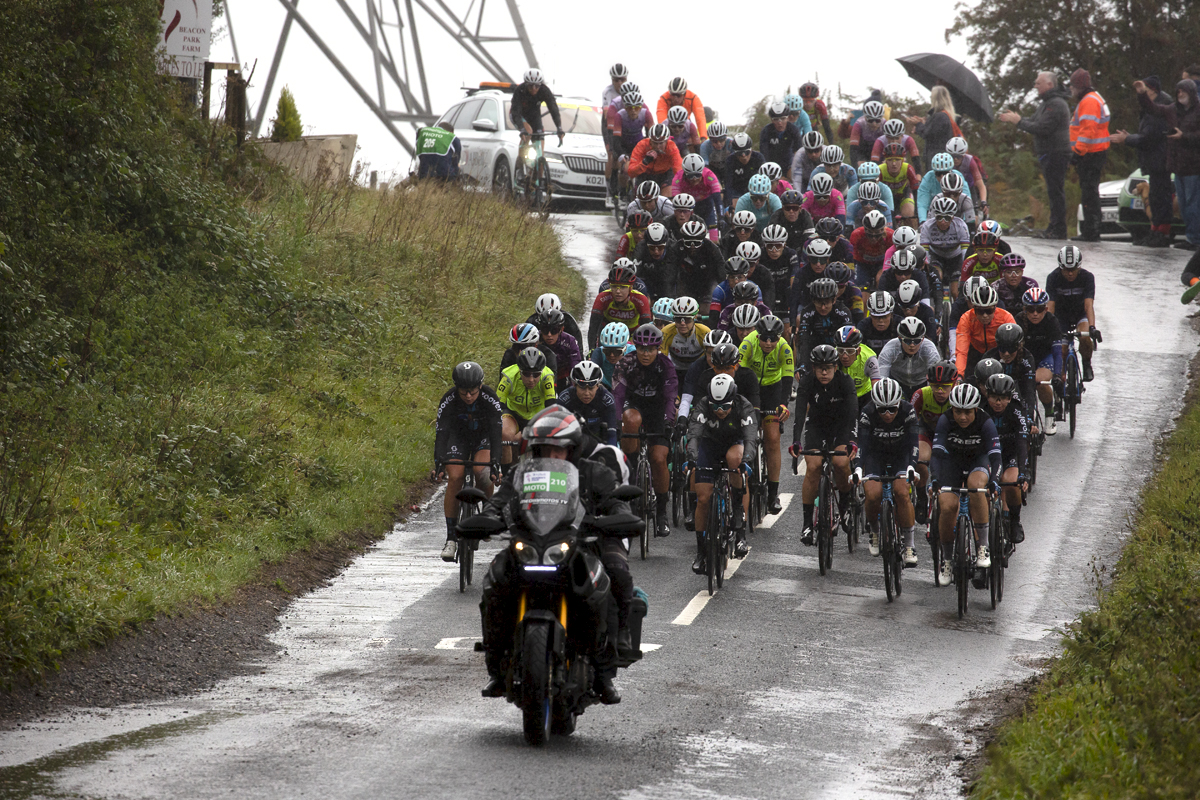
(785, 684)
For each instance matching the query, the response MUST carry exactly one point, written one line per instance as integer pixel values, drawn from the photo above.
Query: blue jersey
(607, 368)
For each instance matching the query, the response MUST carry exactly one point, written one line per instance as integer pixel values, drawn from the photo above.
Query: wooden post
(208, 68)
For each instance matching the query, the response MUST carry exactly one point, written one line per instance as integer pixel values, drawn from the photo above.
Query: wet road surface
(784, 684)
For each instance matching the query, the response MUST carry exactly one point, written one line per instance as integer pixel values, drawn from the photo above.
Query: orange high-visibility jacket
(691, 103)
(973, 335)
(1089, 127)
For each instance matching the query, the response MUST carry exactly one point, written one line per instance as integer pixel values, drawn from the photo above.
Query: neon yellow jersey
(770, 368)
(858, 371)
(521, 401)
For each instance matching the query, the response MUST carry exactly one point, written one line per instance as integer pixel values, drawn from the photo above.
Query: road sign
(187, 33)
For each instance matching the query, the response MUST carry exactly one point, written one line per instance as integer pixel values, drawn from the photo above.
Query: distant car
(490, 142)
(1110, 193)
(1131, 208)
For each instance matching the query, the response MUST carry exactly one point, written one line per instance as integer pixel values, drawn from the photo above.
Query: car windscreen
(576, 118)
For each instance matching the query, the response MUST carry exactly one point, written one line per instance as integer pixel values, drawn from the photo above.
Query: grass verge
(1119, 713)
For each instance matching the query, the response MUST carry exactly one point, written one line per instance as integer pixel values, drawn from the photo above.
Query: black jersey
(799, 232)
(478, 422)
(1012, 429)
(831, 407)
(876, 339)
(894, 442)
(737, 175)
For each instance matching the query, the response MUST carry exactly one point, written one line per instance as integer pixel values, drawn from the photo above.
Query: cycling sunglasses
(1012, 271)
(942, 385)
(656, 247)
(847, 350)
(645, 348)
(675, 126)
(678, 95)
(984, 312)
(793, 209)
(944, 216)
(683, 320)
(889, 410)
(1070, 269)
(988, 250)
(911, 341)
(774, 246)
(691, 245)
(726, 406)
(525, 374)
(768, 338)
(551, 331)
(586, 384)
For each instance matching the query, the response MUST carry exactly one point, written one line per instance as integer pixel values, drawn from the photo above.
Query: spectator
(1183, 152)
(1151, 143)
(940, 126)
(1192, 73)
(1050, 128)
(1089, 147)
(438, 152)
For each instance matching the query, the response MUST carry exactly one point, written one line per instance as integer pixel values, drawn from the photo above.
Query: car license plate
(594, 180)
(1108, 216)
(1137, 203)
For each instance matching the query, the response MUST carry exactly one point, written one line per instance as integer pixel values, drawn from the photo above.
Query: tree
(286, 125)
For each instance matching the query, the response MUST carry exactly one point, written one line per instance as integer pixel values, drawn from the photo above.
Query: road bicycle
(1072, 388)
(891, 547)
(531, 177)
(644, 480)
(999, 543)
(624, 192)
(757, 487)
(465, 555)
(825, 512)
(964, 545)
(680, 504)
(718, 538)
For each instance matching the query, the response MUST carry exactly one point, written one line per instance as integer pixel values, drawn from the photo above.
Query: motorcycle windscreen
(549, 490)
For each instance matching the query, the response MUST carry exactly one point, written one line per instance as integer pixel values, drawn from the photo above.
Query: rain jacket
(1089, 126)
(1050, 124)
(973, 335)
(692, 103)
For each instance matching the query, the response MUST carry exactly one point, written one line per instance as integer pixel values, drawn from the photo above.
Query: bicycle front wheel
(542, 189)
(824, 525)
(885, 542)
(962, 561)
(712, 537)
(643, 483)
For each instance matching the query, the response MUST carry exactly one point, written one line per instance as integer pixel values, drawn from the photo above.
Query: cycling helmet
(639, 219)
(1012, 261)
(771, 170)
(678, 115)
(918, 253)
(1070, 257)
(1001, 385)
(778, 110)
(525, 333)
(964, 396)
(941, 162)
(717, 129)
(614, 334)
(868, 192)
(745, 219)
(770, 327)
(880, 303)
(745, 292)
(839, 273)
(849, 336)
(684, 307)
(951, 182)
(986, 241)
(627, 88)
(828, 227)
(810, 90)
(749, 251)
(545, 302)
(693, 163)
(534, 76)
(550, 320)
(894, 127)
(991, 226)
(722, 389)
(821, 185)
(904, 261)
(909, 293)
(715, 338)
(886, 393)
(873, 110)
(893, 149)
(911, 327)
(986, 368)
(648, 190)
(662, 309)
(647, 335)
(742, 143)
(759, 185)
(986, 297)
(957, 146)
(586, 372)
(794, 102)
(677, 86)
(791, 197)
(1035, 297)
(531, 359)
(683, 200)
(618, 71)
(823, 355)
(942, 372)
(817, 248)
(554, 425)
(693, 230)
(874, 220)
(868, 171)
(726, 353)
(622, 276)
(774, 234)
(746, 316)
(943, 206)
(1009, 337)
(832, 154)
(468, 375)
(736, 265)
(823, 289)
(659, 132)
(904, 236)
(813, 140)
(971, 285)
(656, 234)
(627, 263)
(633, 99)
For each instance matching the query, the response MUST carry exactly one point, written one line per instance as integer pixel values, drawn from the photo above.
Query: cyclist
(869, 172)
(818, 323)
(814, 106)
(619, 303)
(822, 200)
(760, 200)
(635, 230)
(683, 131)
(1013, 284)
(881, 325)
(966, 453)
(893, 134)
(700, 183)
(930, 402)
(685, 209)
(1044, 340)
(953, 187)
(867, 199)
(831, 229)
(526, 110)
(977, 329)
(865, 131)
(523, 335)
(903, 267)
(779, 140)
(743, 228)
(945, 236)
(566, 349)
(654, 269)
(627, 127)
(903, 182)
(961, 305)
(765, 351)
(857, 360)
(1072, 291)
(1018, 364)
(746, 301)
(849, 295)
(645, 388)
(907, 358)
(714, 150)
(887, 450)
(796, 113)
(870, 242)
(650, 199)
(909, 296)
(632, 266)
(1013, 430)
(737, 270)
(782, 263)
(902, 237)
(969, 167)
(722, 431)
(775, 173)
(661, 312)
(844, 176)
(991, 226)
(618, 74)
(792, 217)
(588, 399)
(614, 343)
(931, 184)
(721, 358)
(808, 159)
(743, 164)
(813, 266)
(656, 157)
(548, 301)
(678, 94)
(468, 429)
(525, 388)
(697, 262)
(683, 339)
(985, 258)
(826, 410)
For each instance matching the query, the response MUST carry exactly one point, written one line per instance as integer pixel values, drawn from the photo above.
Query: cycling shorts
(956, 474)
(1047, 362)
(881, 466)
(463, 445)
(825, 440)
(710, 456)
(951, 266)
(906, 208)
(1010, 462)
(654, 421)
(517, 418)
(770, 398)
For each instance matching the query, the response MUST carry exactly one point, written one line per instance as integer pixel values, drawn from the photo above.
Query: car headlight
(553, 159)
(557, 553)
(526, 553)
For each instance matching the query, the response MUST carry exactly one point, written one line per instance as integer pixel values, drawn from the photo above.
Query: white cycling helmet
(817, 248)
(715, 337)
(587, 372)
(684, 307)
(964, 395)
(893, 127)
(745, 219)
(693, 163)
(773, 234)
(771, 170)
(904, 236)
(633, 99)
(957, 146)
(869, 191)
(875, 220)
(909, 294)
(693, 229)
(659, 132)
(717, 129)
(534, 76)
(627, 87)
(656, 234)
(648, 190)
(742, 143)
(971, 285)
(683, 199)
(722, 389)
(904, 260)
(749, 251)
(678, 115)
(886, 393)
(911, 327)
(677, 86)
(821, 184)
(832, 154)
(880, 304)
(951, 182)
(746, 316)
(943, 206)
(524, 333)
(986, 296)
(778, 110)
(547, 301)
(873, 110)
(1070, 257)
(813, 140)
(618, 70)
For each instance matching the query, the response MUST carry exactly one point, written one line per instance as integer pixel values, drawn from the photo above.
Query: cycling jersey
(609, 94)
(527, 107)
(859, 208)
(802, 169)
(708, 433)
(763, 214)
(522, 402)
(658, 273)
(626, 244)
(714, 159)
(770, 368)
(957, 449)
(1068, 296)
(779, 146)
(1010, 296)
(885, 195)
(663, 209)
(567, 353)
(650, 389)
(1012, 429)
(798, 232)
(826, 411)
(569, 326)
(707, 186)
(875, 338)
(631, 130)
(974, 339)
(887, 449)
(693, 105)
(968, 165)
(781, 270)
(909, 143)
(815, 329)
(684, 350)
(930, 187)
(697, 270)
(902, 184)
(729, 242)
(1023, 371)
(909, 371)
(462, 427)
(870, 249)
(700, 375)
(819, 113)
(966, 209)
(832, 206)
(738, 175)
(666, 162)
(863, 137)
(779, 187)
(890, 280)
(510, 356)
(864, 370)
(606, 366)
(972, 266)
(599, 417)
(726, 321)
(949, 243)
(1044, 341)
(929, 410)
(846, 177)
(633, 312)
(687, 137)
(852, 298)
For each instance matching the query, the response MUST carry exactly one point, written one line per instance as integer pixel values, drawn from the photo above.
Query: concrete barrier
(315, 157)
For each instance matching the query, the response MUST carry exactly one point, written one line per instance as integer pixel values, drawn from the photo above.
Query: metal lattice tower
(390, 31)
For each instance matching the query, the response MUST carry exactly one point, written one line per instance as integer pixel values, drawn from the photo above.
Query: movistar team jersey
(770, 368)
(521, 401)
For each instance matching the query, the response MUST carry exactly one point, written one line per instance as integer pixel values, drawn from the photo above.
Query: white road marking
(785, 499)
(451, 643)
(649, 648)
(692, 609)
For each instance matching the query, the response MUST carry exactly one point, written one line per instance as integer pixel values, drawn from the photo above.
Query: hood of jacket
(1057, 91)
(1190, 88)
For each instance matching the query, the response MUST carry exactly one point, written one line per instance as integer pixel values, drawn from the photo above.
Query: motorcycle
(560, 589)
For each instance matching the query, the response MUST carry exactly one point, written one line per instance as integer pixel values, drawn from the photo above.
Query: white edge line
(785, 499)
(692, 609)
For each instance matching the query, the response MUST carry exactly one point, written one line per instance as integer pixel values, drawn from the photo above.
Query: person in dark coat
(1151, 144)
(1183, 151)
(937, 127)
(1050, 126)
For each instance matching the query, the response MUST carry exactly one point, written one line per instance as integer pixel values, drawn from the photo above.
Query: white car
(490, 142)
(1110, 194)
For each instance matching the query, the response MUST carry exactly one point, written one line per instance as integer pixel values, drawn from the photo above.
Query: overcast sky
(739, 53)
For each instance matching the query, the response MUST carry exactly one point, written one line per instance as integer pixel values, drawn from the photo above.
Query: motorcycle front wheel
(535, 684)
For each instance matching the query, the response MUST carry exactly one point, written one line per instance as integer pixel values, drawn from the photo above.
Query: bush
(286, 126)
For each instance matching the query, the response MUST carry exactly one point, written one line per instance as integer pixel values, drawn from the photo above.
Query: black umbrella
(932, 69)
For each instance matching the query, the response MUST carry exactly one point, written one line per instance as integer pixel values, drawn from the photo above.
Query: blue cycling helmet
(662, 309)
(614, 334)
(794, 102)
(942, 162)
(868, 171)
(760, 185)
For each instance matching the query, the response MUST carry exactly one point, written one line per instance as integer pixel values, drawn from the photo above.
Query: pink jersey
(833, 207)
(910, 147)
(706, 187)
(780, 187)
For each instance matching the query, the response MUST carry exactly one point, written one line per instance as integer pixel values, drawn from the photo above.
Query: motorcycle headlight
(557, 553)
(526, 553)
